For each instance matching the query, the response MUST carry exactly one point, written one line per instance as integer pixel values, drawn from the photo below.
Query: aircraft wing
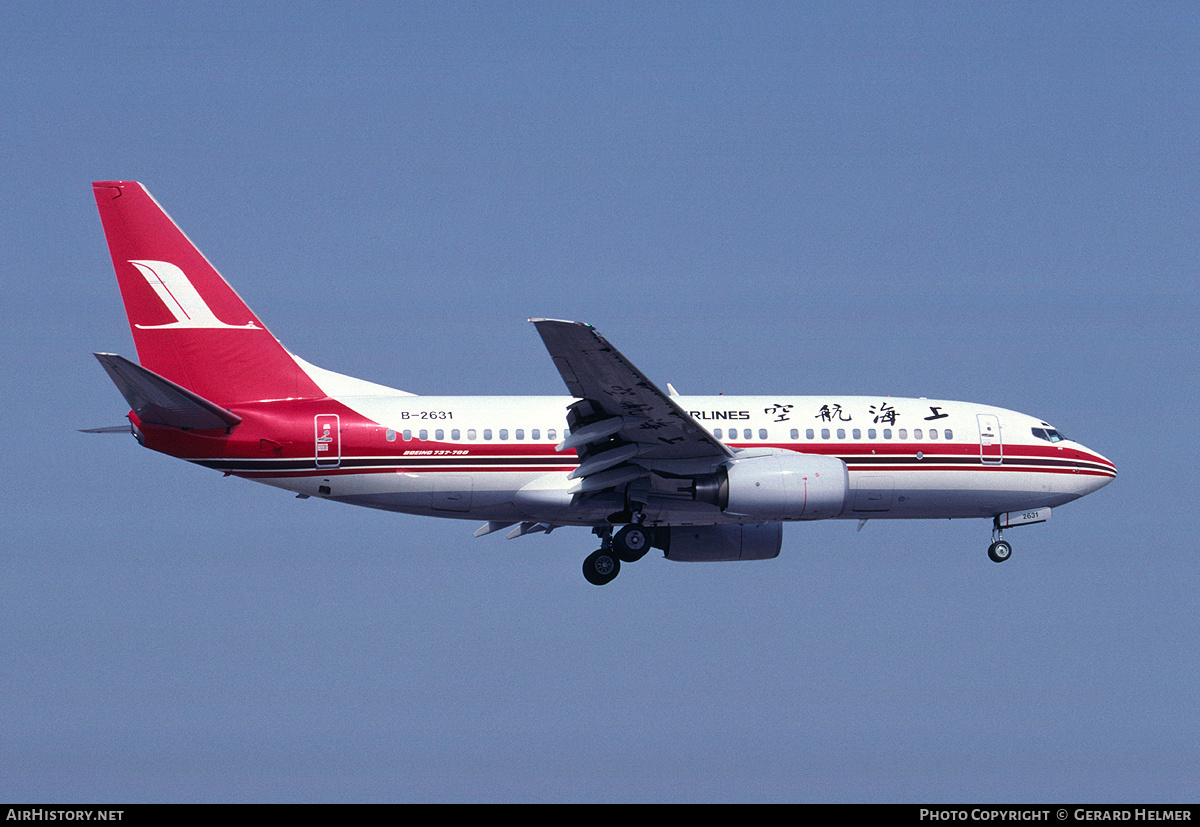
(623, 426)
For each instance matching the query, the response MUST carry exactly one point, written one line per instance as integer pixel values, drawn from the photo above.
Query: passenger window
(535, 434)
(762, 433)
(857, 433)
(824, 433)
(390, 435)
(933, 433)
(406, 435)
(520, 434)
(504, 433)
(949, 434)
(487, 433)
(841, 433)
(903, 433)
(810, 434)
(795, 434)
(550, 434)
(717, 433)
(471, 433)
(423, 434)
(870, 433)
(439, 434)
(887, 433)
(454, 434)
(917, 434)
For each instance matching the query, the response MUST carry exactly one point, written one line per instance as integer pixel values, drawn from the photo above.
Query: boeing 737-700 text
(703, 478)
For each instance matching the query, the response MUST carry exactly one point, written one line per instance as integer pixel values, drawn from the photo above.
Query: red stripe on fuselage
(283, 431)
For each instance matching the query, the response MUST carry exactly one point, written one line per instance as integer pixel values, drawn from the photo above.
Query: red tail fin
(188, 324)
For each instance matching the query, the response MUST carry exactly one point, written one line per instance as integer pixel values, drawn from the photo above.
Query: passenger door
(991, 448)
(328, 441)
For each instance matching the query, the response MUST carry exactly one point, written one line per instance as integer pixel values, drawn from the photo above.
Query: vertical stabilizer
(188, 324)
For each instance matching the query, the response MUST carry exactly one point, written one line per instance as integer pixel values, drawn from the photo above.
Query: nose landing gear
(1000, 549)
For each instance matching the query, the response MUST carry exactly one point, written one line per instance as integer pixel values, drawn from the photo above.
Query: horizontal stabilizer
(160, 401)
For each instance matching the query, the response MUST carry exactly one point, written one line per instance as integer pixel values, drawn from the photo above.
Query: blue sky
(915, 199)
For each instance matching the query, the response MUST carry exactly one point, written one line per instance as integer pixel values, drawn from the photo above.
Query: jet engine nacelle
(776, 484)
(723, 543)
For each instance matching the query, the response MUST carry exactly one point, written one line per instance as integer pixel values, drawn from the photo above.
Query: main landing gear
(1000, 549)
(628, 545)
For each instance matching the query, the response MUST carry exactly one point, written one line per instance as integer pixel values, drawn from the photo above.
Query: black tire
(631, 543)
(601, 567)
(999, 551)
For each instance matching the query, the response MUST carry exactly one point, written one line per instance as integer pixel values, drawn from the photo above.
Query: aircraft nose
(1100, 469)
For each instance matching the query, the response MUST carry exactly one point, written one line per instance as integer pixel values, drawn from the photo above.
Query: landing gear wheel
(631, 543)
(600, 567)
(999, 551)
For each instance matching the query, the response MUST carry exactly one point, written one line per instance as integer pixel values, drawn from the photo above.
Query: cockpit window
(1048, 434)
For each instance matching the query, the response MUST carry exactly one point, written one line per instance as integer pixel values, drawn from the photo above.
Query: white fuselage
(494, 458)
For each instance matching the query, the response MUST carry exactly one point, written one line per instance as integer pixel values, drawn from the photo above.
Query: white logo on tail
(177, 293)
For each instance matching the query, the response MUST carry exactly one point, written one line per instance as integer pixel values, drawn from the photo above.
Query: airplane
(702, 478)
